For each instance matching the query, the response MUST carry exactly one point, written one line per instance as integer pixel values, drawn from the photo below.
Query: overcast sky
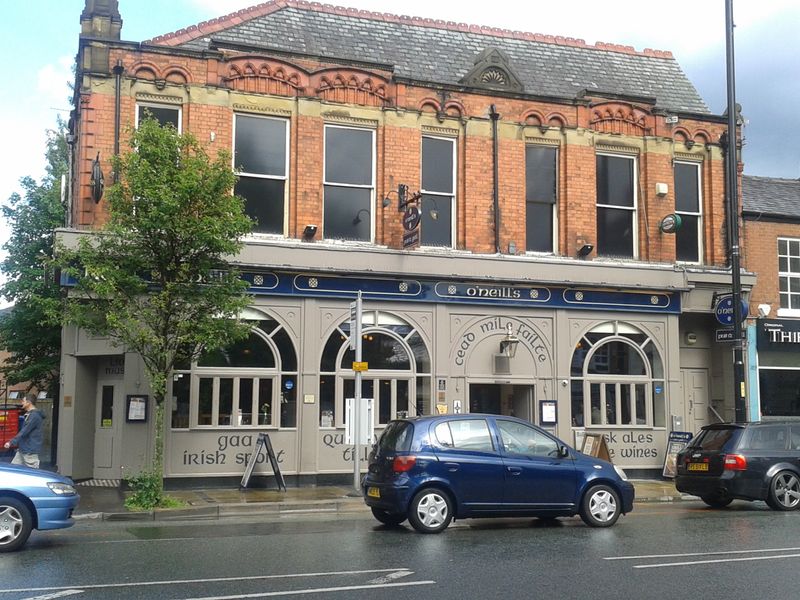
(39, 40)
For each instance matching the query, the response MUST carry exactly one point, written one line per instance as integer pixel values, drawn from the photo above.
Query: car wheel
(600, 506)
(784, 491)
(716, 501)
(431, 511)
(388, 518)
(15, 524)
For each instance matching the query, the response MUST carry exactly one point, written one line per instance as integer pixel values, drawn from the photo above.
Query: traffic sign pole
(355, 333)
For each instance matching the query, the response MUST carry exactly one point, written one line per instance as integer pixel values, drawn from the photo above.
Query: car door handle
(452, 467)
(514, 470)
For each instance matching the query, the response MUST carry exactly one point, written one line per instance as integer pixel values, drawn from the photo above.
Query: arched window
(617, 378)
(399, 376)
(252, 383)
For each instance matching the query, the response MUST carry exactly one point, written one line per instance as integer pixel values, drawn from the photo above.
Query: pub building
(543, 288)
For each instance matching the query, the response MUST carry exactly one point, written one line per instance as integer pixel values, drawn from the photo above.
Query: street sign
(410, 238)
(360, 366)
(411, 218)
(725, 335)
(723, 311)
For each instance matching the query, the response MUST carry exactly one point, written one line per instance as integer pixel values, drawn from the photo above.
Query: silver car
(32, 499)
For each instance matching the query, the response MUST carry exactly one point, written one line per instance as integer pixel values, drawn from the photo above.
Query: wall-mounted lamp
(97, 181)
(691, 338)
(764, 310)
(508, 346)
(309, 231)
(585, 250)
(386, 202)
(357, 218)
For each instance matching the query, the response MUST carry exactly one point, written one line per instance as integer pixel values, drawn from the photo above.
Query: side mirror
(563, 451)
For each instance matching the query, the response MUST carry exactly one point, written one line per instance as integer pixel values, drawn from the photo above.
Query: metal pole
(357, 402)
(740, 402)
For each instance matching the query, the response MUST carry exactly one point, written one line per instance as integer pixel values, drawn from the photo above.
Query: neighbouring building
(541, 168)
(771, 217)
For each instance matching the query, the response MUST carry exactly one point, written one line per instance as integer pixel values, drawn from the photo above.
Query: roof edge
(206, 28)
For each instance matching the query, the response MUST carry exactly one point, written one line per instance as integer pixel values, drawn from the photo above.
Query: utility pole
(740, 403)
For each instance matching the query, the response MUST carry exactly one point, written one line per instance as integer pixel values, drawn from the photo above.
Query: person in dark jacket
(29, 439)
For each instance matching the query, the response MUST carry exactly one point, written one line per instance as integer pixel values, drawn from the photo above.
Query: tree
(31, 330)
(155, 279)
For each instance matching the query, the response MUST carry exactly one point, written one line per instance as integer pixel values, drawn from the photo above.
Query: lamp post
(740, 404)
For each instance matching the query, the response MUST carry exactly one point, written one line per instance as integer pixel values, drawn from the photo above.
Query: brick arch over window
(177, 75)
(248, 74)
(146, 70)
(349, 87)
(619, 118)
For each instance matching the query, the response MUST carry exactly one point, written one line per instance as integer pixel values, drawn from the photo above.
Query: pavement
(108, 503)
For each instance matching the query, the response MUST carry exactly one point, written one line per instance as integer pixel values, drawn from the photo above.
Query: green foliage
(156, 279)
(31, 331)
(148, 493)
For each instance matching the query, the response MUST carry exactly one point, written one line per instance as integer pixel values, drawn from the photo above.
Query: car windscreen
(397, 437)
(716, 439)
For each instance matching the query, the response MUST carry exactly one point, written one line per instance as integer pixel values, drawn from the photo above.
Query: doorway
(108, 426)
(695, 398)
(502, 399)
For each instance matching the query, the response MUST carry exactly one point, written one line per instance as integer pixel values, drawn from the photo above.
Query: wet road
(664, 550)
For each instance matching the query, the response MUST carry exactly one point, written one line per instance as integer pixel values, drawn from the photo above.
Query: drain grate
(110, 483)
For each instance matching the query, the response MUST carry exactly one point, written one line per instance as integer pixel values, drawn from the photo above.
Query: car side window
(466, 434)
(769, 437)
(524, 440)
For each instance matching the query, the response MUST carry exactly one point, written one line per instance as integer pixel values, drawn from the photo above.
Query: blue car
(32, 499)
(431, 470)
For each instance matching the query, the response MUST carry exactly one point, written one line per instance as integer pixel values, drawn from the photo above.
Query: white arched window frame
(239, 396)
(396, 392)
(624, 400)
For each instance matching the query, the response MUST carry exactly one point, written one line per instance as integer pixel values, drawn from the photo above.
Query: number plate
(373, 492)
(697, 467)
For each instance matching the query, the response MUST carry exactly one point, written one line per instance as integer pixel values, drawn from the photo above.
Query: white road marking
(646, 556)
(99, 586)
(138, 541)
(345, 588)
(390, 577)
(56, 595)
(719, 560)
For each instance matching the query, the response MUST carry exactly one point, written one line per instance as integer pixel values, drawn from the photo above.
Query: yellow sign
(360, 366)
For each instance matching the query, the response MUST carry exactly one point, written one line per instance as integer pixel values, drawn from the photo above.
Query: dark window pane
(783, 264)
(347, 214)
(252, 352)
(381, 351)
(348, 156)
(205, 401)
(578, 358)
(576, 400)
(107, 407)
(614, 180)
(260, 146)
(264, 202)
(164, 115)
(384, 401)
(686, 239)
(794, 248)
(436, 231)
(288, 402)
(783, 247)
(687, 196)
(401, 404)
(420, 352)
(286, 350)
(328, 362)
(540, 174)
(437, 165)
(614, 232)
(327, 401)
(795, 301)
(616, 358)
(539, 227)
(780, 392)
(225, 401)
(180, 401)
(265, 401)
(794, 265)
(246, 402)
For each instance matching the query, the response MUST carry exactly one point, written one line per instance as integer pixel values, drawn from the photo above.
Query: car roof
(453, 416)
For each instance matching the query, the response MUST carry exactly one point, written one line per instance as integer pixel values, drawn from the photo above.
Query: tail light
(735, 462)
(402, 464)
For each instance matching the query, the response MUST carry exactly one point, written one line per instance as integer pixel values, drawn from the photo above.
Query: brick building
(771, 218)
(542, 168)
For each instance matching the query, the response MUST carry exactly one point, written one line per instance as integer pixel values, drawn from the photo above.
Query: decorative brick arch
(255, 74)
(556, 119)
(179, 75)
(615, 117)
(146, 70)
(350, 87)
(533, 117)
(430, 105)
(454, 108)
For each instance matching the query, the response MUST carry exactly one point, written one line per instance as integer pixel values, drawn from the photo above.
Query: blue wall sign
(723, 311)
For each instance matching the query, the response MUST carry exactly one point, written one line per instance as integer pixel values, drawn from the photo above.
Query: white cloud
(52, 81)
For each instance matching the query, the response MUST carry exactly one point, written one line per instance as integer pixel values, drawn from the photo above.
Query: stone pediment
(492, 70)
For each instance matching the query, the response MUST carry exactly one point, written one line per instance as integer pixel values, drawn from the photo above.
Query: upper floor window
(164, 114)
(689, 237)
(438, 192)
(260, 156)
(540, 198)
(349, 183)
(616, 206)
(789, 272)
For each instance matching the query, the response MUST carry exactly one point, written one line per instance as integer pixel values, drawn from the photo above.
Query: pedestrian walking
(29, 439)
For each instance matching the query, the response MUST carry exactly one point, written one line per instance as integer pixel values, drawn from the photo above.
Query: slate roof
(444, 52)
(770, 196)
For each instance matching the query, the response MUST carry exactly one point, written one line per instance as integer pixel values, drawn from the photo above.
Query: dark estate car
(748, 461)
(433, 469)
